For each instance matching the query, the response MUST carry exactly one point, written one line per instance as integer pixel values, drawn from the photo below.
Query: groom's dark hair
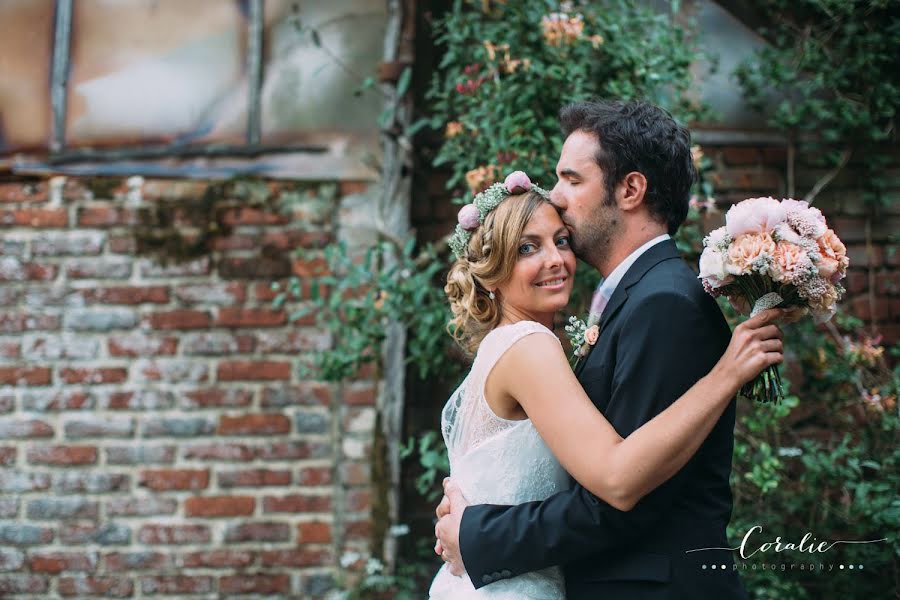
(638, 136)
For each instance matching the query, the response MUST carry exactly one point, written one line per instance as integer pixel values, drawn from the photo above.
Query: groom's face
(583, 198)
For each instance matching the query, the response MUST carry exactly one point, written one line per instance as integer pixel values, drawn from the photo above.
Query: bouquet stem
(765, 388)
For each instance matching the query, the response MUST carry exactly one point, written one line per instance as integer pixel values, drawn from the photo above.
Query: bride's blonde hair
(490, 257)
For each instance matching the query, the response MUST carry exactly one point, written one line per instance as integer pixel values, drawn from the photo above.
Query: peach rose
(591, 334)
(746, 249)
(834, 255)
(788, 258)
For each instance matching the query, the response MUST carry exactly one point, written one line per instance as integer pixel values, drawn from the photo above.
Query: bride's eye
(563, 242)
(526, 248)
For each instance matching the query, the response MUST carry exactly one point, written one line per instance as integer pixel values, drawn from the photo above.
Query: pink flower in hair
(469, 217)
(517, 182)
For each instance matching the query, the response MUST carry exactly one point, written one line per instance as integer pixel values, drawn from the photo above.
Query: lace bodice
(498, 461)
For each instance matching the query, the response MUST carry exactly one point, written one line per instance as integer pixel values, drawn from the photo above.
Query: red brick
(358, 500)
(741, 156)
(253, 216)
(25, 375)
(216, 398)
(849, 229)
(138, 344)
(175, 479)
(16, 322)
(260, 531)
(22, 584)
(34, 217)
(53, 400)
(99, 375)
(314, 476)
(295, 238)
(857, 281)
(250, 317)
(20, 192)
(859, 256)
(219, 506)
(180, 319)
(353, 187)
(131, 561)
(141, 507)
(10, 349)
(861, 307)
(111, 587)
(176, 584)
(234, 241)
(312, 267)
(62, 455)
(358, 530)
(354, 473)
(218, 559)
(28, 272)
(314, 532)
(157, 294)
(295, 450)
(308, 393)
(296, 503)
(121, 244)
(254, 478)
(8, 456)
(56, 562)
(254, 424)
(263, 267)
(268, 583)
(253, 371)
(174, 534)
(106, 215)
(295, 557)
(359, 394)
(218, 451)
(21, 429)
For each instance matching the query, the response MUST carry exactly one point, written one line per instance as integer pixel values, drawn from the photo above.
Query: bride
(514, 271)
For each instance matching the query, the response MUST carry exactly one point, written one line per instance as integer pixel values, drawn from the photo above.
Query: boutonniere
(582, 336)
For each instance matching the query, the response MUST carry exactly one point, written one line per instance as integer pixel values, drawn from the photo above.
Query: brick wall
(156, 434)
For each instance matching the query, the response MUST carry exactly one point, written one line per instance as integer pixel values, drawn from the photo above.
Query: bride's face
(542, 278)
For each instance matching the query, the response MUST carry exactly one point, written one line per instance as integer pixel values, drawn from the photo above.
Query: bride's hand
(755, 344)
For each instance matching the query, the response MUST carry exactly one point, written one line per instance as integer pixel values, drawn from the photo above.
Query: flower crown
(472, 215)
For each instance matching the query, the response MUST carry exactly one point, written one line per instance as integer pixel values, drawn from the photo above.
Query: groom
(625, 174)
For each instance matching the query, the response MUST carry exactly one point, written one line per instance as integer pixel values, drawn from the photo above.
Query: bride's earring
(491, 295)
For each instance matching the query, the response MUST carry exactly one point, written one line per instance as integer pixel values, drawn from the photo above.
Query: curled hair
(489, 261)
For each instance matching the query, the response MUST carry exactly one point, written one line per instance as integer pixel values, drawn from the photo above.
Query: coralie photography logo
(808, 545)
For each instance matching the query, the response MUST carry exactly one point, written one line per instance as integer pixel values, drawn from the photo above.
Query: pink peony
(745, 249)
(834, 260)
(591, 334)
(517, 182)
(755, 215)
(469, 217)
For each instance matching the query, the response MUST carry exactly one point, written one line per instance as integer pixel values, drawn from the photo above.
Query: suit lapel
(664, 250)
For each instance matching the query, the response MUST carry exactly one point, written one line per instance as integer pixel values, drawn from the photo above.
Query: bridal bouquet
(772, 253)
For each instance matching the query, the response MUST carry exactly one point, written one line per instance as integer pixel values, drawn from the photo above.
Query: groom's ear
(630, 191)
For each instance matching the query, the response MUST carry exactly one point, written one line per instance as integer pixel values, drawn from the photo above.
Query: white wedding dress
(498, 461)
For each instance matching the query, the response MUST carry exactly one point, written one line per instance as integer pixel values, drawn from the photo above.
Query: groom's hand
(447, 529)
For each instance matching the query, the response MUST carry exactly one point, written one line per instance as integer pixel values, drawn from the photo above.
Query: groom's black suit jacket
(659, 334)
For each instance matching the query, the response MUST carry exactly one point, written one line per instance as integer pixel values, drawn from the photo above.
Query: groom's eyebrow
(569, 173)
